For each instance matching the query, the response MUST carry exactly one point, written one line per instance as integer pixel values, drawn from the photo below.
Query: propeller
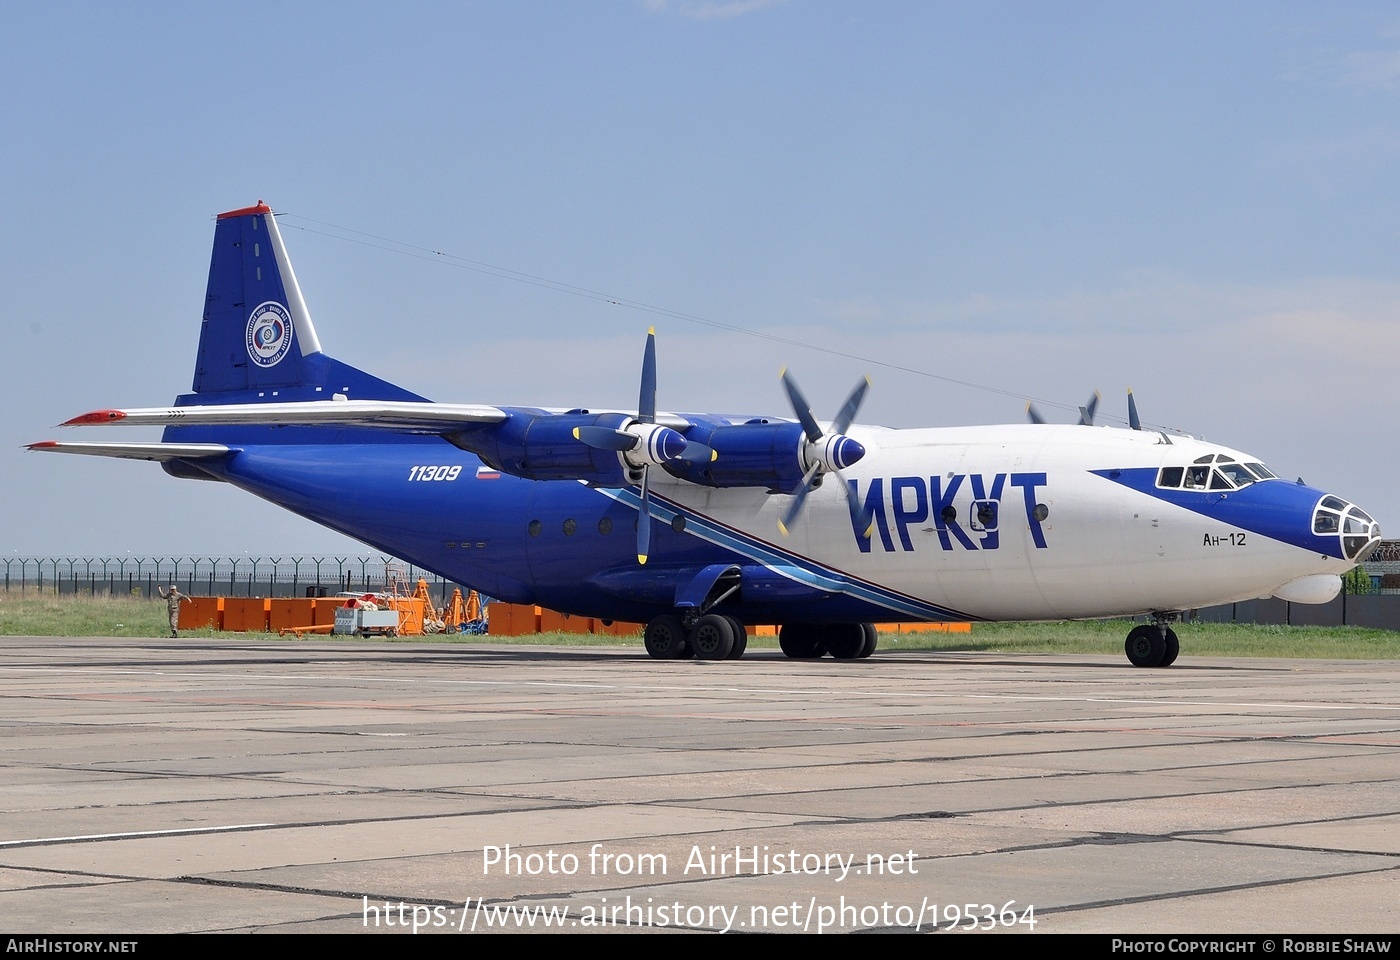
(644, 443)
(1086, 412)
(826, 452)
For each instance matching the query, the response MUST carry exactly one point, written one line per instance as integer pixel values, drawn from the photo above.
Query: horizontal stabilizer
(159, 452)
(386, 414)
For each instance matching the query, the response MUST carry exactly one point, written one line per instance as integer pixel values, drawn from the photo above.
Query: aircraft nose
(1357, 533)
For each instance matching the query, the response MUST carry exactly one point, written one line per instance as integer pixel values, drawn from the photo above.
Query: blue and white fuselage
(1017, 522)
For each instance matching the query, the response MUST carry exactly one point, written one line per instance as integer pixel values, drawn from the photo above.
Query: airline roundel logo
(269, 334)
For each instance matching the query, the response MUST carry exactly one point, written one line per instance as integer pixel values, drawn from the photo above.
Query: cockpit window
(1237, 473)
(1360, 535)
(1214, 471)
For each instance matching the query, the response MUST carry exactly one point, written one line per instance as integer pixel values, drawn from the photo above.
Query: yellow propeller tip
(651, 331)
(641, 559)
(782, 528)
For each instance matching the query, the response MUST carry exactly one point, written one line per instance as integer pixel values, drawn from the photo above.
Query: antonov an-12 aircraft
(698, 524)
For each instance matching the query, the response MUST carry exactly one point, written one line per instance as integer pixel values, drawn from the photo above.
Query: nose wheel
(1152, 645)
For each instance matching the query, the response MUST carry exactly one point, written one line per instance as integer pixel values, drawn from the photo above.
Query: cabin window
(984, 515)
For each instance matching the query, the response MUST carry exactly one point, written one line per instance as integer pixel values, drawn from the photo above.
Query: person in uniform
(172, 598)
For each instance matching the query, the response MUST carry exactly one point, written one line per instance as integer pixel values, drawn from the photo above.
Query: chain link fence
(219, 576)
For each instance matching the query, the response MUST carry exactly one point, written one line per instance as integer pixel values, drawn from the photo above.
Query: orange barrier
(512, 619)
(411, 611)
(246, 614)
(202, 612)
(295, 615)
(285, 613)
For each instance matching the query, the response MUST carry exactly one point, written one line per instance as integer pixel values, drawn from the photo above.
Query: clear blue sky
(1197, 200)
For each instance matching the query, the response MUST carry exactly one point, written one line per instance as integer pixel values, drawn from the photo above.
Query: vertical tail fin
(257, 334)
(257, 331)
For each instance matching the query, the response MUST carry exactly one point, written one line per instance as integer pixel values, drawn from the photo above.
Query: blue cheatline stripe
(1275, 508)
(786, 563)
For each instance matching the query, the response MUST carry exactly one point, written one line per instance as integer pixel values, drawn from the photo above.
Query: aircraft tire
(712, 637)
(1145, 646)
(664, 638)
(741, 638)
(802, 641)
(845, 641)
(872, 638)
(1173, 648)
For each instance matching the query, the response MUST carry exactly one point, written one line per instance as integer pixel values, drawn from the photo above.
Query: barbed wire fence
(245, 576)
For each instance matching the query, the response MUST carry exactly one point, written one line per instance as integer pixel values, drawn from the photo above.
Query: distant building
(1383, 567)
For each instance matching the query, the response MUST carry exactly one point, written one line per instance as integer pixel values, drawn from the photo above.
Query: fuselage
(1016, 522)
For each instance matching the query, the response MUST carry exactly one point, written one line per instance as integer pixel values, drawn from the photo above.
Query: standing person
(172, 598)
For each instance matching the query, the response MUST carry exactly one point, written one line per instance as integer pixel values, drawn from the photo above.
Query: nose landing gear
(1153, 644)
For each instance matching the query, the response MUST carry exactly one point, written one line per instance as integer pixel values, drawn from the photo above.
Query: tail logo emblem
(269, 334)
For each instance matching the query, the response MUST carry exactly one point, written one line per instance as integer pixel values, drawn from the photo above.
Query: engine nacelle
(753, 454)
(545, 446)
(542, 446)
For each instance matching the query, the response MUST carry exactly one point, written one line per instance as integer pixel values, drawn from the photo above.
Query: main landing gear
(711, 637)
(718, 637)
(844, 641)
(1153, 644)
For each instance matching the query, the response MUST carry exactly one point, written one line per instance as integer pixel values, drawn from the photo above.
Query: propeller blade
(1086, 412)
(606, 438)
(1032, 414)
(646, 403)
(801, 408)
(1133, 420)
(644, 520)
(797, 500)
(865, 521)
(848, 411)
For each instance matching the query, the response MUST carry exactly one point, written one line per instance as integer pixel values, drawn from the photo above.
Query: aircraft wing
(158, 452)
(413, 416)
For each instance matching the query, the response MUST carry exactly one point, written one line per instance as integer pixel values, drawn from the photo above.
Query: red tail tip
(258, 207)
